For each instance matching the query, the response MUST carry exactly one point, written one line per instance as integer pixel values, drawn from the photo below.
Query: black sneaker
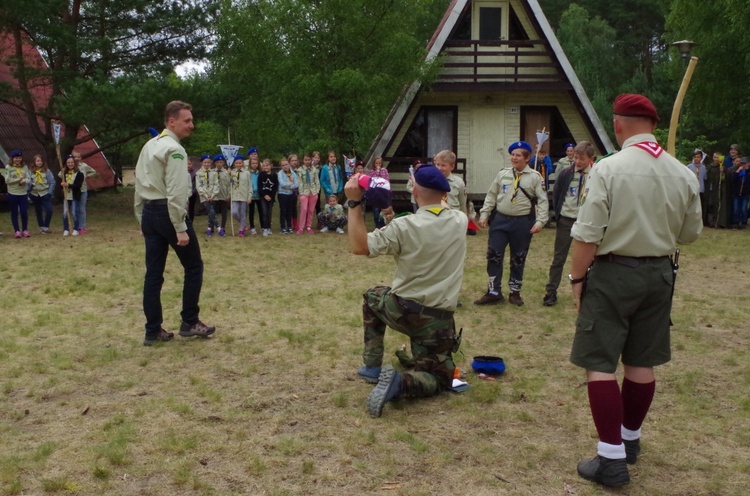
(605, 471)
(490, 299)
(632, 450)
(163, 336)
(198, 329)
(550, 300)
(515, 299)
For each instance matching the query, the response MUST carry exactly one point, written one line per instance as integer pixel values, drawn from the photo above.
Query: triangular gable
(15, 129)
(435, 47)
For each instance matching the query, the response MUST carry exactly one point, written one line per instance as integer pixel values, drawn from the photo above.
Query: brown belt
(632, 262)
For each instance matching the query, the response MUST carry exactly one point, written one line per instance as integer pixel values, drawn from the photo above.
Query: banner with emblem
(229, 152)
(56, 128)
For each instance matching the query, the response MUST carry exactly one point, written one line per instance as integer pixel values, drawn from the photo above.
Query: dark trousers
(266, 209)
(379, 221)
(508, 231)
(43, 209)
(739, 209)
(191, 205)
(562, 247)
(159, 235)
(287, 206)
(19, 205)
(251, 213)
(432, 340)
(222, 207)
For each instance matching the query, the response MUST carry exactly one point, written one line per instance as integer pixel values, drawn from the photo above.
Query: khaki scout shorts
(624, 312)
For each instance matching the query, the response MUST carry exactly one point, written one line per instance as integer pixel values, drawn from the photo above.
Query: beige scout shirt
(500, 195)
(457, 195)
(161, 172)
(311, 187)
(14, 176)
(224, 180)
(87, 172)
(206, 184)
(429, 248)
(638, 205)
(242, 185)
(574, 196)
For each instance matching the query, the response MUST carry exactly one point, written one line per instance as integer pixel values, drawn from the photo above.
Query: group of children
(35, 184)
(251, 184)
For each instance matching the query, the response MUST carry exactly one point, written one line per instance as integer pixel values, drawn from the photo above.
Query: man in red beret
(623, 239)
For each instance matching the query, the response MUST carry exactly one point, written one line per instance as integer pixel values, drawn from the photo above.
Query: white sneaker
(66, 233)
(265, 232)
(75, 233)
(325, 229)
(339, 230)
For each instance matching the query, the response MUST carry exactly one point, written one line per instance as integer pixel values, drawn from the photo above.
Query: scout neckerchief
(581, 182)
(332, 173)
(205, 176)
(307, 175)
(69, 176)
(38, 177)
(516, 181)
(652, 147)
(19, 171)
(289, 176)
(435, 210)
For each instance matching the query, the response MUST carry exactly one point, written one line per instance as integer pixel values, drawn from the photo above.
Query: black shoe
(632, 450)
(198, 329)
(490, 299)
(515, 299)
(163, 336)
(605, 471)
(388, 389)
(550, 300)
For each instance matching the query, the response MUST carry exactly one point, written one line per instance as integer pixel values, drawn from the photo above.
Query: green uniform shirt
(242, 185)
(501, 195)
(161, 173)
(638, 205)
(429, 248)
(206, 184)
(574, 194)
(457, 195)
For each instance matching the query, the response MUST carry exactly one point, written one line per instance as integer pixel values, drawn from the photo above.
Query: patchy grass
(271, 405)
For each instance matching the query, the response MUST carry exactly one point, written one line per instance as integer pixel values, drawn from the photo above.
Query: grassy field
(271, 405)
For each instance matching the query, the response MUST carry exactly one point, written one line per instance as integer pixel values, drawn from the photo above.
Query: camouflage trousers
(432, 340)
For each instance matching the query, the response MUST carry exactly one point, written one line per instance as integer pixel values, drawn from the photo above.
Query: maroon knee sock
(606, 409)
(636, 400)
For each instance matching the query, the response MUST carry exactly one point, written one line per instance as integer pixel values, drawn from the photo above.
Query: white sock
(628, 435)
(611, 451)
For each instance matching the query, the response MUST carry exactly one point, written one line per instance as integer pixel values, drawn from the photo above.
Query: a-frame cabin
(503, 77)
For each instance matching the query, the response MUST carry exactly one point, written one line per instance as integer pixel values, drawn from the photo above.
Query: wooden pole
(671, 147)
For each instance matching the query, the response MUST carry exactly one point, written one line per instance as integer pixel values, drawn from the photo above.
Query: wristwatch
(575, 281)
(353, 203)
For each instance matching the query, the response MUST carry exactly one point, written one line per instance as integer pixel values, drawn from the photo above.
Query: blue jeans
(43, 209)
(159, 235)
(79, 212)
(19, 204)
(71, 205)
(739, 209)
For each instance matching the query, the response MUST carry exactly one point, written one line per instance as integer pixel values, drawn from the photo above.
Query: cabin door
(487, 146)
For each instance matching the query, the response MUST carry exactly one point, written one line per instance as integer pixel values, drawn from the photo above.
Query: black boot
(605, 471)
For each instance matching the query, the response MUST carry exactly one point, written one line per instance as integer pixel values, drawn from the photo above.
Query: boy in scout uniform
(162, 189)
(429, 248)
(625, 235)
(566, 200)
(509, 211)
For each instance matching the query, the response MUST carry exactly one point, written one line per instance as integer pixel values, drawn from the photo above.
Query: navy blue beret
(219, 157)
(16, 153)
(153, 132)
(239, 157)
(570, 145)
(428, 176)
(520, 144)
(204, 157)
(252, 150)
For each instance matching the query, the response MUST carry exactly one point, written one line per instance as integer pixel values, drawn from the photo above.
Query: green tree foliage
(108, 60)
(718, 102)
(307, 73)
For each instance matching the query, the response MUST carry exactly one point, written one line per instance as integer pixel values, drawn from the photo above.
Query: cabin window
(433, 129)
(490, 23)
